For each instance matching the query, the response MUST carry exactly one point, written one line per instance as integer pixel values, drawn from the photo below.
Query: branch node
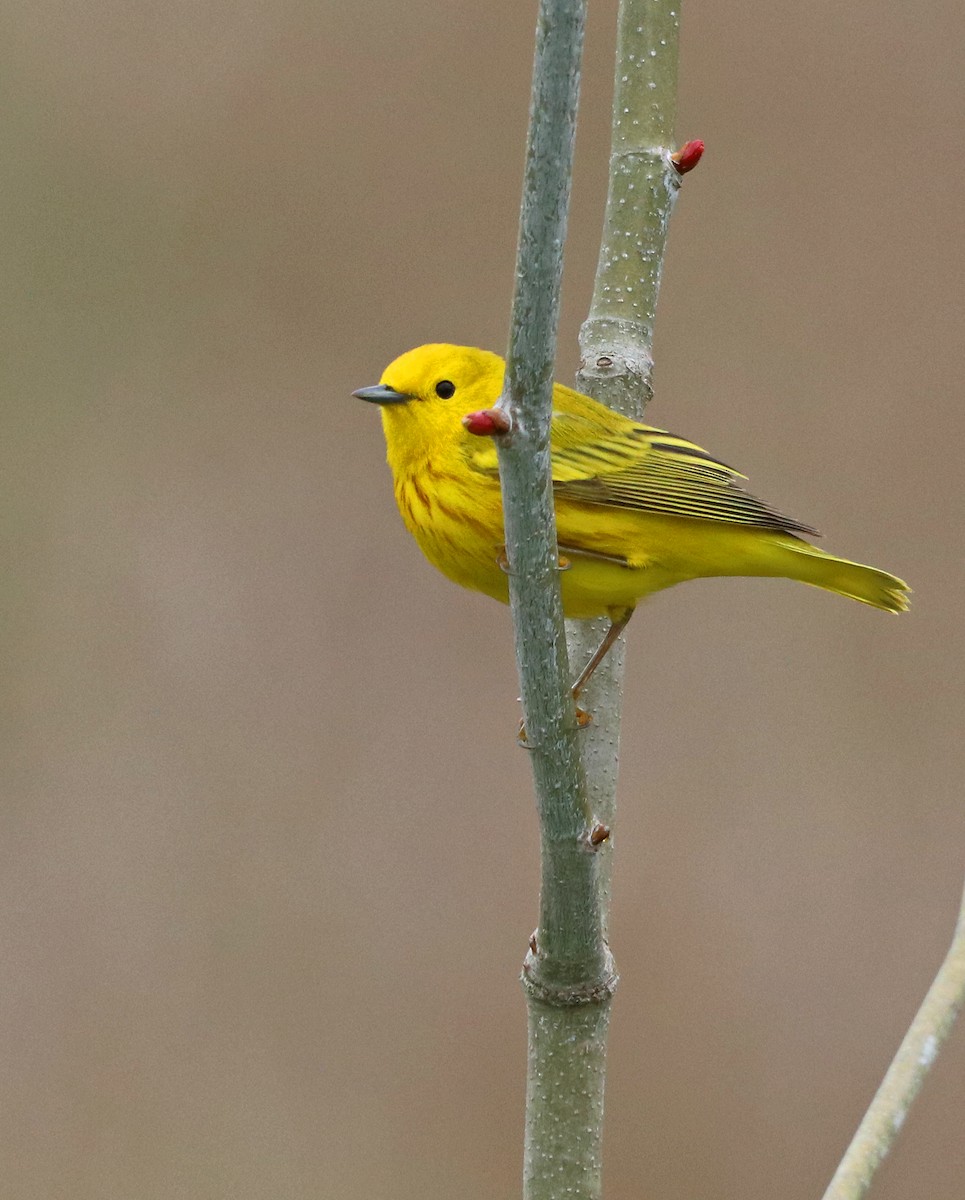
(614, 350)
(598, 990)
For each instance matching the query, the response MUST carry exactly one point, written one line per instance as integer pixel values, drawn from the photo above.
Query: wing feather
(603, 459)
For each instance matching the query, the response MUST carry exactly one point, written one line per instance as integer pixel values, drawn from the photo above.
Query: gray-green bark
(616, 341)
(568, 975)
(570, 952)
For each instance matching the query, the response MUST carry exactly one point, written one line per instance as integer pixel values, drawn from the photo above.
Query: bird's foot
(583, 719)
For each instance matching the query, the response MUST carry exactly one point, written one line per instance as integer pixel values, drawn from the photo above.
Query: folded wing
(653, 471)
(600, 458)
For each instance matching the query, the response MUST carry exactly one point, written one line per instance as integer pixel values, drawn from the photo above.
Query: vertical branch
(616, 341)
(570, 947)
(568, 975)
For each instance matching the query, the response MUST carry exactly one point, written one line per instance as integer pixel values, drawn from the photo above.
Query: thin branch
(616, 341)
(571, 953)
(886, 1114)
(567, 974)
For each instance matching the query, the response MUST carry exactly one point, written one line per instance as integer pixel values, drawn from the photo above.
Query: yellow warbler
(637, 509)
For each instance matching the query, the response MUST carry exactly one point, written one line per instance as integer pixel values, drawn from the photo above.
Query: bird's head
(425, 393)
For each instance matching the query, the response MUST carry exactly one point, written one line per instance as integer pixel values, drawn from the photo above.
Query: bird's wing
(614, 462)
(635, 466)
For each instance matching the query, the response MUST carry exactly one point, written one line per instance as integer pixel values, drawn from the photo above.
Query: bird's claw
(583, 719)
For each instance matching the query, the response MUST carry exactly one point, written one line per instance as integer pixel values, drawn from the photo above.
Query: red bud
(488, 422)
(687, 157)
(599, 834)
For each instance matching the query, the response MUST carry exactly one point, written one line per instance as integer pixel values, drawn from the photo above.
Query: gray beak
(381, 394)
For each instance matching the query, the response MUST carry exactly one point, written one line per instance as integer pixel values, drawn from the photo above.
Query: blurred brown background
(268, 849)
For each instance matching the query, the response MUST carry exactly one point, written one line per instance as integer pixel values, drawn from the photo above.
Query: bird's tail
(867, 584)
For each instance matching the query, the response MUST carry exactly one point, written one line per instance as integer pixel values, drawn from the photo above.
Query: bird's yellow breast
(458, 528)
(460, 531)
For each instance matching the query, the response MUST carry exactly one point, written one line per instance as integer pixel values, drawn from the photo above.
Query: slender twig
(567, 974)
(616, 340)
(919, 1049)
(570, 949)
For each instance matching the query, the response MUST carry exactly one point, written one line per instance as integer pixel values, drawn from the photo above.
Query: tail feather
(866, 584)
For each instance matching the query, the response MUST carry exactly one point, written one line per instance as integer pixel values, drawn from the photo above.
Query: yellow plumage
(637, 509)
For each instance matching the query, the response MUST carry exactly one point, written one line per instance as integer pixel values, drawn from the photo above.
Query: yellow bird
(637, 509)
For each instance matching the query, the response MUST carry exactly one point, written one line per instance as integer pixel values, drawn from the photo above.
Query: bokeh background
(269, 859)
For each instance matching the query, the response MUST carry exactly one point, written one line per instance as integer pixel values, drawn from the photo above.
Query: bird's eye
(445, 388)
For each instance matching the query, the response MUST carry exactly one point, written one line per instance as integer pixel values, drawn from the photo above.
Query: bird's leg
(583, 718)
(617, 626)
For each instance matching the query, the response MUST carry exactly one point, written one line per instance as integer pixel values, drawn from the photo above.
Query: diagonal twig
(919, 1049)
